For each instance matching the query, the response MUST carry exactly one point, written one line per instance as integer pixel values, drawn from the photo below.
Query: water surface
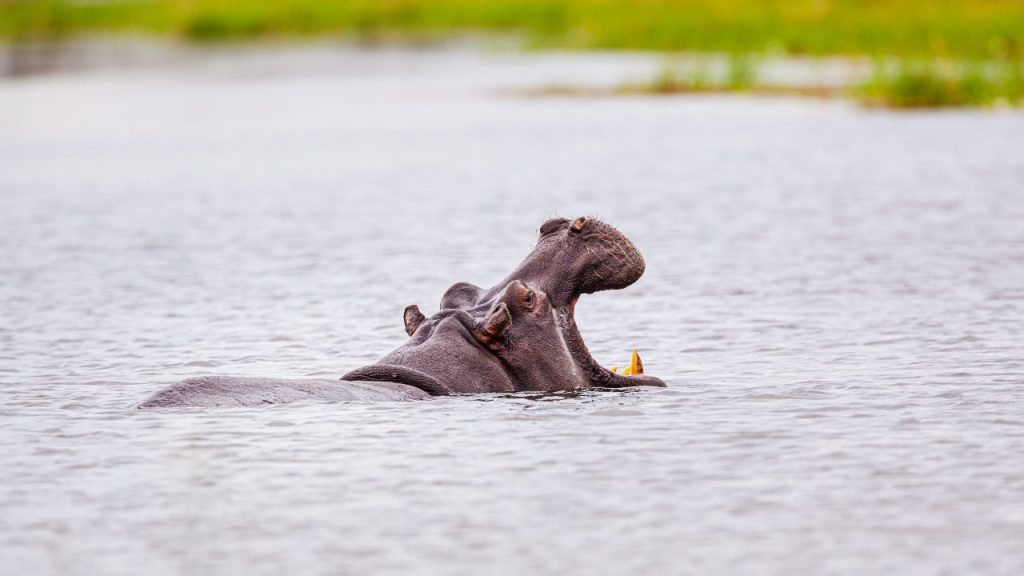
(835, 297)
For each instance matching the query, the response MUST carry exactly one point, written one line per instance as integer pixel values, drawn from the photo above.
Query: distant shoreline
(957, 53)
(888, 83)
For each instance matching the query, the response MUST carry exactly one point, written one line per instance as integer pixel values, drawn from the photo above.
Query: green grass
(976, 29)
(944, 84)
(739, 75)
(896, 84)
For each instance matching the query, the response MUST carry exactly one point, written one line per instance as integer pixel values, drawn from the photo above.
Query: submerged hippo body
(209, 391)
(519, 335)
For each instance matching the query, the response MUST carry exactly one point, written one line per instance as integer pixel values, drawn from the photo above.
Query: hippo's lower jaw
(597, 375)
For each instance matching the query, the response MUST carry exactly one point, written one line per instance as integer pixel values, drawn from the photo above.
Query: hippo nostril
(577, 224)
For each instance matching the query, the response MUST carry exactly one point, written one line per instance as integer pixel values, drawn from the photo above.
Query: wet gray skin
(519, 335)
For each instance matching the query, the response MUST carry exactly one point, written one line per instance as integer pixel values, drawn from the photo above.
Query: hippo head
(521, 334)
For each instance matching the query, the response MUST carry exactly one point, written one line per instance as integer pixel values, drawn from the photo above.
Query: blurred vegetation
(935, 28)
(896, 83)
(739, 75)
(917, 84)
(985, 37)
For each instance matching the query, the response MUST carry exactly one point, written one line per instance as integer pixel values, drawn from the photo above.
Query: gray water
(834, 295)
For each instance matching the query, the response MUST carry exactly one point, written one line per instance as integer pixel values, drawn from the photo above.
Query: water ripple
(832, 295)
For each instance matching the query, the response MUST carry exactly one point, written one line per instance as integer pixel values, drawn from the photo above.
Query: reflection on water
(834, 297)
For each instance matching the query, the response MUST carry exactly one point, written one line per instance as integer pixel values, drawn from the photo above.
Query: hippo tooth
(635, 368)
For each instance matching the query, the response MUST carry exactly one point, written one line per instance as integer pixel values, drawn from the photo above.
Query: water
(834, 296)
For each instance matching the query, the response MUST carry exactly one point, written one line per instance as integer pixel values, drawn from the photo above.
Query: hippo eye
(528, 299)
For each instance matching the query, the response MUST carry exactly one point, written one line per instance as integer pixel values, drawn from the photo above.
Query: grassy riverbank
(949, 52)
(949, 28)
(891, 84)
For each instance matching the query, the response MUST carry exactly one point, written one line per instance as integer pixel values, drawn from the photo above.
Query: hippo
(519, 335)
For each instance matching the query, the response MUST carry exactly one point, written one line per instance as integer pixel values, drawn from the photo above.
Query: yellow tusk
(635, 367)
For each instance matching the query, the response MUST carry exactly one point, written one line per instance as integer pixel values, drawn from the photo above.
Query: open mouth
(577, 257)
(632, 374)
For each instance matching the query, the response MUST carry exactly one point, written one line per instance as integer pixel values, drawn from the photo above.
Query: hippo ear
(493, 330)
(413, 318)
